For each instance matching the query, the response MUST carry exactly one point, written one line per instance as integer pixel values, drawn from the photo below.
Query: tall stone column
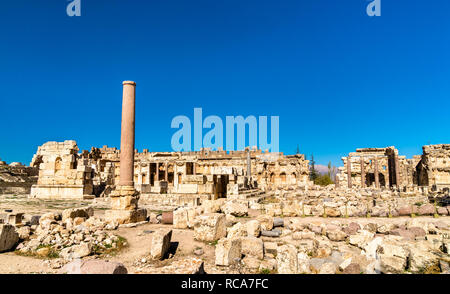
(377, 178)
(363, 173)
(166, 172)
(124, 199)
(194, 168)
(249, 164)
(397, 171)
(157, 172)
(127, 135)
(349, 172)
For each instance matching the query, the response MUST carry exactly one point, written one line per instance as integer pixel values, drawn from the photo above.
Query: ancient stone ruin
(384, 168)
(218, 211)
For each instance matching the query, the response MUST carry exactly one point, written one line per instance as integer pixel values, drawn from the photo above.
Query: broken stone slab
(183, 217)
(266, 222)
(270, 248)
(287, 259)
(210, 227)
(8, 237)
(252, 246)
(235, 208)
(24, 232)
(228, 251)
(160, 243)
(34, 221)
(236, 231)
(93, 266)
(251, 262)
(189, 266)
(84, 212)
(253, 228)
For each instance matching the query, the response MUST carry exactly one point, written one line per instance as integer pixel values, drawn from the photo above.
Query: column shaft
(349, 172)
(363, 173)
(377, 179)
(127, 135)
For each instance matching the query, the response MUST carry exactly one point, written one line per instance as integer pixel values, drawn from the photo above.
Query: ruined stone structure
(204, 174)
(63, 174)
(433, 169)
(16, 178)
(385, 168)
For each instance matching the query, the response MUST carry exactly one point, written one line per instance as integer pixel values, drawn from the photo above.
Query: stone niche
(62, 175)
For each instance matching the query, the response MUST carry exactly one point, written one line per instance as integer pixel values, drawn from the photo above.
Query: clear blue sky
(338, 79)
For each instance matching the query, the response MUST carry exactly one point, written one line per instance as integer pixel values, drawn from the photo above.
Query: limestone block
(287, 259)
(187, 188)
(253, 228)
(266, 222)
(126, 216)
(270, 248)
(228, 250)
(72, 213)
(361, 238)
(236, 208)
(210, 227)
(237, 230)
(160, 243)
(93, 266)
(252, 246)
(183, 217)
(8, 237)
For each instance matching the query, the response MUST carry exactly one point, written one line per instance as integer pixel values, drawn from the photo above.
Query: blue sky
(337, 78)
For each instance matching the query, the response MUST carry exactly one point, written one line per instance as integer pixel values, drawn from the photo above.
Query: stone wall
(385, 168)
(62, 173)
(62, 167)
(433, 170)
(17, 179)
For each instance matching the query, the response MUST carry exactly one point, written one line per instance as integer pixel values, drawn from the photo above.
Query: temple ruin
(385, 168)
(180, 176)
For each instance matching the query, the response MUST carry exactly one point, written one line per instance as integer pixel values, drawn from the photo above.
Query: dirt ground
(139, 240)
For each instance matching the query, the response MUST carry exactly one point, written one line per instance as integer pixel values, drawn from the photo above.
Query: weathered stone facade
(198, 175)
(17, 178)
(385, 168)
(63, 174)
(433, 169)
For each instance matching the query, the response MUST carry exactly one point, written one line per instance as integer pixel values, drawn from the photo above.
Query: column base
(126, 216)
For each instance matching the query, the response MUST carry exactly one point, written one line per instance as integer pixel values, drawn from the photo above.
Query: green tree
(313, 173)
(323, 180)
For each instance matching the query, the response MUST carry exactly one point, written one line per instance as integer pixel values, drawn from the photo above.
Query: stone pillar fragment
(166, 172)
(157, 172)
(397, 171)
(127, 135)
(377, 179)
(363, 173)
(349, 172)
(249, 166)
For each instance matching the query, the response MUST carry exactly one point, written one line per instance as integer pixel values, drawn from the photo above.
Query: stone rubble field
(308, 231)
